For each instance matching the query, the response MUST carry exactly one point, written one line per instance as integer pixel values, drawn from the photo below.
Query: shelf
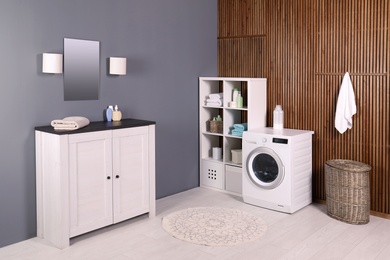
(233, 136)
(227, 108)
(233, 164)
(212, 160)
(204, 106)
(210, 133)
(213, 173)
(236, 108)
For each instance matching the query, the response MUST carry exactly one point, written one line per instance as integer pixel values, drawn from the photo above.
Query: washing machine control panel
(264, 140)
(280, 140)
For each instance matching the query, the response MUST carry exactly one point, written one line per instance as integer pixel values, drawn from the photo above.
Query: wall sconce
(117, 66)
(52, 63)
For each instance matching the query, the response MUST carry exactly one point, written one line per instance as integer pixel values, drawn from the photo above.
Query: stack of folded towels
(214, 100)
(238, 129)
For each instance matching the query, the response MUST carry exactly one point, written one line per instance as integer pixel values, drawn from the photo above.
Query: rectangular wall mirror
(81, 69)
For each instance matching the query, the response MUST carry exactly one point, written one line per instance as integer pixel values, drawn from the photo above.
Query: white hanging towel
(346, 106)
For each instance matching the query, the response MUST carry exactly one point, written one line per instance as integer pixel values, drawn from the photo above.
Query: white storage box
(212, 174)
(237, 156)
(233, 179)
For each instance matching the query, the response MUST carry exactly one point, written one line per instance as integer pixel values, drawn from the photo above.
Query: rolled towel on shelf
(216, 96)
(70, 123)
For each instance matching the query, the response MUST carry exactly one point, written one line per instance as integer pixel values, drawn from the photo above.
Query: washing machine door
(265, 168)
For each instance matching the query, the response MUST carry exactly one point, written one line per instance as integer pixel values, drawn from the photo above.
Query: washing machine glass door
(265, 168)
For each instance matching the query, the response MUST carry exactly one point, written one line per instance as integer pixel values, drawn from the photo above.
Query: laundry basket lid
(349, 165)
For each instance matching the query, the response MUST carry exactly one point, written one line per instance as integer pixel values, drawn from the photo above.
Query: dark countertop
(98, 126)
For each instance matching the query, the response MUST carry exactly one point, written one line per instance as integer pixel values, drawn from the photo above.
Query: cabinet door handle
(108, 177)
(117, 176)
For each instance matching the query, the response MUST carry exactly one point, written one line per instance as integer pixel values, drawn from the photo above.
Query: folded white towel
(70, 123)
(216, 96)
(346, 106)
(219, 100)
(213, 105)
(214, 102)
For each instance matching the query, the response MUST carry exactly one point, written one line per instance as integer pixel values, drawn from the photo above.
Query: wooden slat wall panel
(241, 18)
(353, 36)
(303, 48)
(243, 56)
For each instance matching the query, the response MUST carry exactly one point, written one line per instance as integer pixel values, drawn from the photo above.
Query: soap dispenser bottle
(109, 111)
(278, 117)
(116, 114)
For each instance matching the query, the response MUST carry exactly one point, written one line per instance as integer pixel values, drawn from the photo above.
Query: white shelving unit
(219, 174)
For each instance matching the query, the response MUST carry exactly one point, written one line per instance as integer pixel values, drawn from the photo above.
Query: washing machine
(277, 168)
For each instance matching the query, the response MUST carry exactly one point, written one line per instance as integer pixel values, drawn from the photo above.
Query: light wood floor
(306, 234)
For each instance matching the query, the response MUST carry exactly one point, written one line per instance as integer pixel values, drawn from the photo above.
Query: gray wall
(168, 44)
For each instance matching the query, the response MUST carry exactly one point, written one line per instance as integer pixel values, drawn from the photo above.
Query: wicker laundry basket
(348, 191)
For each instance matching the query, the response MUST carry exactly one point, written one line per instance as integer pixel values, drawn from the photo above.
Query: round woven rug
(214, 226)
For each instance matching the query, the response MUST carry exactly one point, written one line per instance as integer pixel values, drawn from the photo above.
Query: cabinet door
(131, 173)
(90, 181)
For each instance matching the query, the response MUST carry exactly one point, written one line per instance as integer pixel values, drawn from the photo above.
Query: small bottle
(278, 117)
(240, 100)
(219, 118)
(116, 114)
(235, 94)
(109, 113)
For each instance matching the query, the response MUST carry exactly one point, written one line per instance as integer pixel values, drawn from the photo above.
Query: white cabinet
(89, 180)
(253, 113)
(131, 173)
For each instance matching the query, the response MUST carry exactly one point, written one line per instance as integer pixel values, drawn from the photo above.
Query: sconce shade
(117, 66)
(52, 63)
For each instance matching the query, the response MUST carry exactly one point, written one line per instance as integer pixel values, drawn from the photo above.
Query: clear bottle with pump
(278, 117)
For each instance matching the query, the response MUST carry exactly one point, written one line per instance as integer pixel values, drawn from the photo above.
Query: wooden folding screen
(303, 48)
